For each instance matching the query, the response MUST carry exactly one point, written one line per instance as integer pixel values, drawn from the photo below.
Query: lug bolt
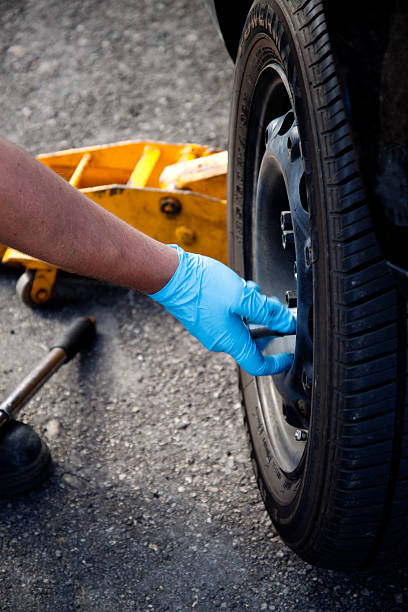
(300, 435)
(306, 381)
(286, 220)
(291, 299)
(288, 237)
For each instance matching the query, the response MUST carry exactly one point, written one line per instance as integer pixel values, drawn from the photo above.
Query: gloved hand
(210, 300)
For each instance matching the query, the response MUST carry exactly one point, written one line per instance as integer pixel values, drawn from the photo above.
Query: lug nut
(295, 270)
(300, 435)
(291, 299)
(286, 220)
(288, 237)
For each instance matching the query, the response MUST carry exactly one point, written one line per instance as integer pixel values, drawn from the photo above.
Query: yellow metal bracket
(174, 193)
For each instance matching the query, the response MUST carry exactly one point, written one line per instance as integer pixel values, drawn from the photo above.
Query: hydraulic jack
(174, 193)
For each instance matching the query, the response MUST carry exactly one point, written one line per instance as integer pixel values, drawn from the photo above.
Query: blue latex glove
(210, 300)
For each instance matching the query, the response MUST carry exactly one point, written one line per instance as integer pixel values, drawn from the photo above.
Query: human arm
(41, 214)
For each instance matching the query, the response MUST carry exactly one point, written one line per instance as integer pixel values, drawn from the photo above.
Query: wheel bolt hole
(308, 256)
(286, 123)
(303, 193)
(289, 146)
(306, 381)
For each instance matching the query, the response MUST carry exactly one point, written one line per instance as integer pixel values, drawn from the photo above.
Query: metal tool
(77, 337)
(260, 331)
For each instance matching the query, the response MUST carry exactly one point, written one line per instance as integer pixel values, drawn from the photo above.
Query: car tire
(329, 439)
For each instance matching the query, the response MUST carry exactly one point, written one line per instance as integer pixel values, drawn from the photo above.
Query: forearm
(42, 215)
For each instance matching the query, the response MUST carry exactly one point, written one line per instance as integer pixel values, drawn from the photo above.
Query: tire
(329, 439)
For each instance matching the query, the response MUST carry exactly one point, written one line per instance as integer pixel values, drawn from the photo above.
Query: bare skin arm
(42, 215)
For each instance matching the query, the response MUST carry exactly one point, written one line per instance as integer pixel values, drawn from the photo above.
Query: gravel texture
(152, 504)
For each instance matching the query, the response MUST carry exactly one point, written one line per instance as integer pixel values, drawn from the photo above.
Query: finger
(245, 350)
(262, 343)
(281, 362)
(247, 354)
(256, 364)
(278, 317)
(258, 308)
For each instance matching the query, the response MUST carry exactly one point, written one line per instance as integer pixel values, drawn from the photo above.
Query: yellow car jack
(174, 193)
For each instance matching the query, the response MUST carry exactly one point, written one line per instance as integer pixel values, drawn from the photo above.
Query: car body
(230, 16)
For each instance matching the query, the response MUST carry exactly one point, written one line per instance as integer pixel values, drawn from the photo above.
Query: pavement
(152, 504)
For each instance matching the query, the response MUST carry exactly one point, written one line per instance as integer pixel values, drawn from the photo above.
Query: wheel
(328, 439)
(24, 286)
(34, 287)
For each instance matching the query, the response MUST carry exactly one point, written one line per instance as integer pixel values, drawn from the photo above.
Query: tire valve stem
(300, 435)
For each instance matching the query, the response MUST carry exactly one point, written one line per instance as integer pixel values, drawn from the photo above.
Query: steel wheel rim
(275, 183)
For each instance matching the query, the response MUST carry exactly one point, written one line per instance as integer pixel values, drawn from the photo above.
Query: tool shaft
(31, 383)
(76, 338)
(260, 331)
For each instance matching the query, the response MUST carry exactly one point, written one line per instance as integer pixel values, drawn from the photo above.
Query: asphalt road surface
(152, 504)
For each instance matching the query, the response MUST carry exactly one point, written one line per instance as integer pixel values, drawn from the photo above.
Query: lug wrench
(77, 337)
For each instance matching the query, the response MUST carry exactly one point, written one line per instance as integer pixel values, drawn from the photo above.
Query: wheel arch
(231, 16)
